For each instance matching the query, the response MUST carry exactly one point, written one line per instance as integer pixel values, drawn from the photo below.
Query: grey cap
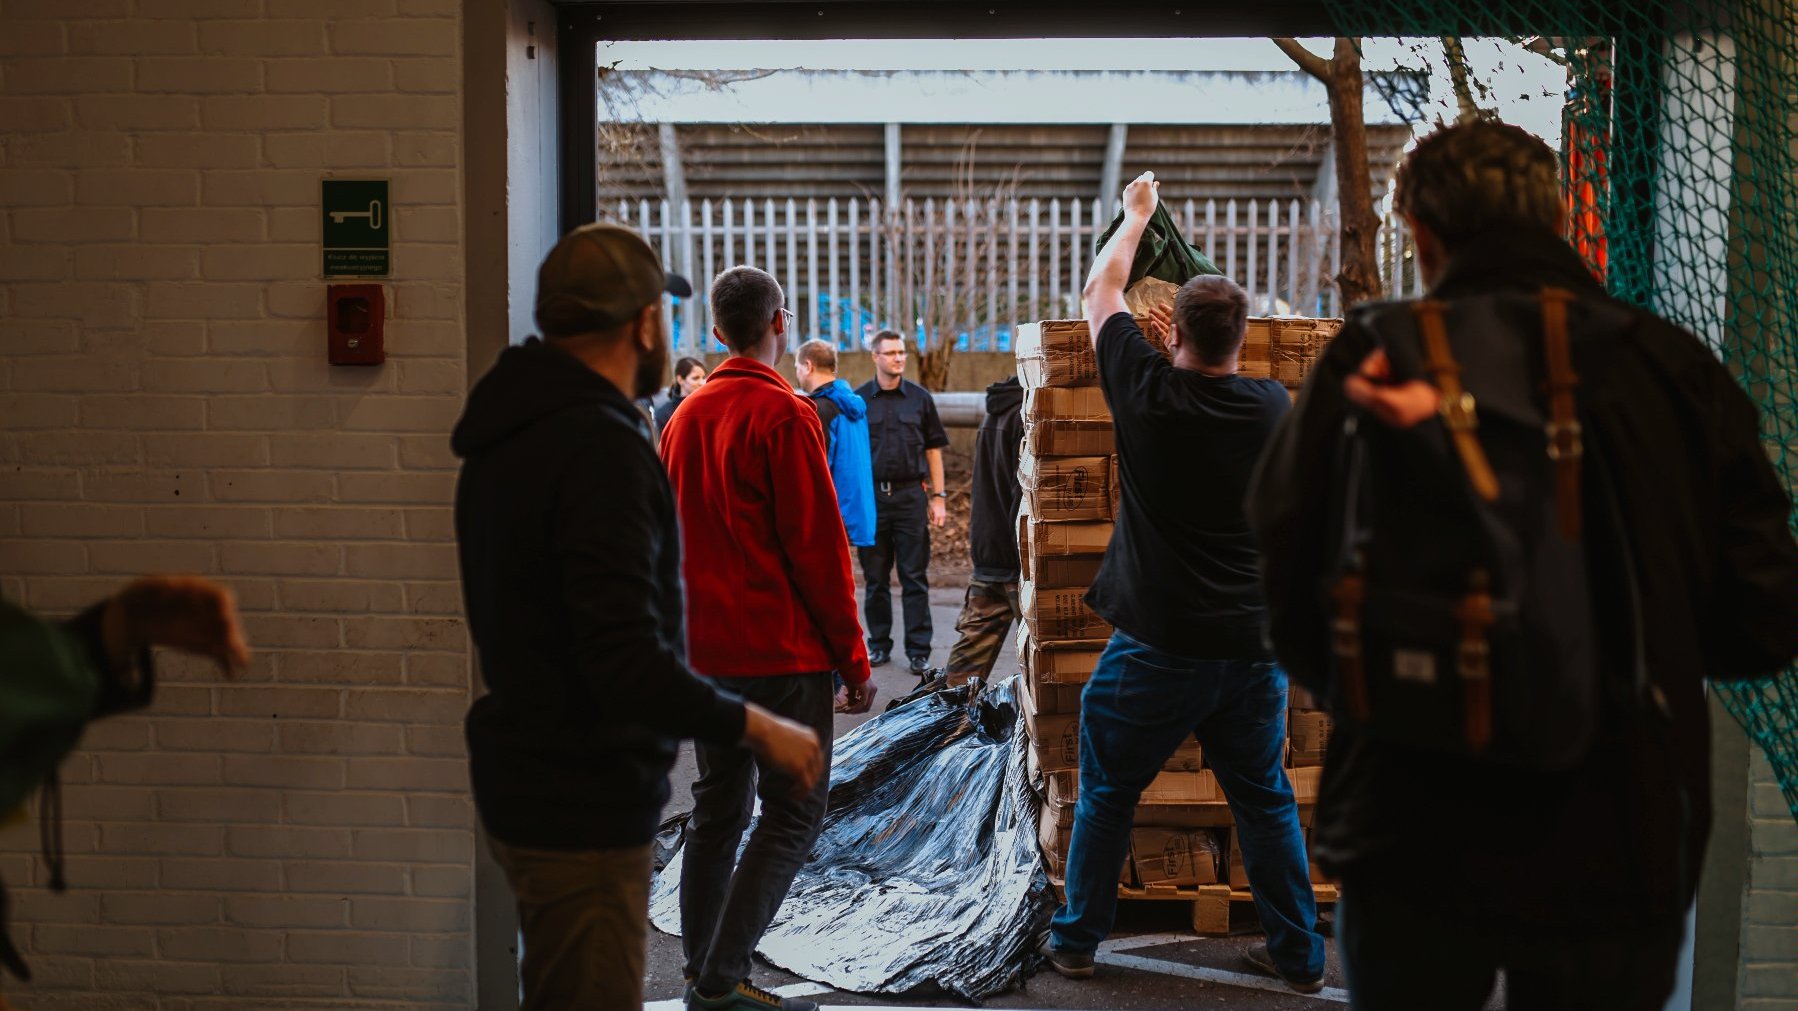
(608, 270)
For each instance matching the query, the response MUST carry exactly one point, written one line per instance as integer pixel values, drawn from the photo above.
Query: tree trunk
(1466, 110)
(1359, 279)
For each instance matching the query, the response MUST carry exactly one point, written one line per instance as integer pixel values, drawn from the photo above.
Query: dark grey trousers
(726, 903)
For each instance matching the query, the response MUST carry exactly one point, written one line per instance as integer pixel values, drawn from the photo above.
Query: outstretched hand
(1141, 196)
(184, 613)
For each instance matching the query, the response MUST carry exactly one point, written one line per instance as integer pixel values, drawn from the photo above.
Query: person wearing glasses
(906, 439)
(773, 603)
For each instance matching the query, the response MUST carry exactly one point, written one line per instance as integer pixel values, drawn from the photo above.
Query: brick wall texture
(302, 838)
(1769, 967)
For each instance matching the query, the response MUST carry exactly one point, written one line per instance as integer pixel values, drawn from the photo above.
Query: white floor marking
(1145, 941)
(1209, 975)
(1110, 953)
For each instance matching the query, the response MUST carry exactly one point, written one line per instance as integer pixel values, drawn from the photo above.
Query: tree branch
(1308, 61)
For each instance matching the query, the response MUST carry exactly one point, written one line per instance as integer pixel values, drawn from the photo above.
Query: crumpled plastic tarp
(927, 876)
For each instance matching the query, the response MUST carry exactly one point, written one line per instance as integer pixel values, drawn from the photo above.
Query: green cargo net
(1682, 184)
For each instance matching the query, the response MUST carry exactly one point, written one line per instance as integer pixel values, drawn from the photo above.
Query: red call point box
(354, 318)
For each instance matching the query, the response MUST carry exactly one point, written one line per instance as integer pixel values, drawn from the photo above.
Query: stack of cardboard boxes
(1180, 847)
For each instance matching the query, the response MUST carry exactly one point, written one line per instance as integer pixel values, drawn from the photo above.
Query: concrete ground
(1154, 963)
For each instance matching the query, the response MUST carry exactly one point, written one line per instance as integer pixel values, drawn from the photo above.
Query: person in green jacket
(56, 678)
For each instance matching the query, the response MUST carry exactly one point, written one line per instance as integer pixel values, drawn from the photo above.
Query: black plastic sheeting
(927, 876)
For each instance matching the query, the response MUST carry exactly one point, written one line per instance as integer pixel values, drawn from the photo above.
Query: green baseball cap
(607, 270)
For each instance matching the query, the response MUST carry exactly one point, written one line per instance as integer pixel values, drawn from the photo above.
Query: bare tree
(947, 264)
(1359, 277)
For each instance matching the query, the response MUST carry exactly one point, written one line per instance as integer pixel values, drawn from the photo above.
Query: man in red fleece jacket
(772, 616)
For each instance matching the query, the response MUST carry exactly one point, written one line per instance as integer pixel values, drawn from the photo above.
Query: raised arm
(1105, 285)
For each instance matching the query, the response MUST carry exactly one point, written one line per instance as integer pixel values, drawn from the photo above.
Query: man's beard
(650, 369)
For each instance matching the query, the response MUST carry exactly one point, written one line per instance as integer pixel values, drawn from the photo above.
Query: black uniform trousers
(902, 536)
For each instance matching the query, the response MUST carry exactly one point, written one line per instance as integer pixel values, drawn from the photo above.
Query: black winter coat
(1621, 837)
(571, 575)
(993, 515)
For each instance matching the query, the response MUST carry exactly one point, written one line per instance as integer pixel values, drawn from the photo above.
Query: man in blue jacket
(845, 418)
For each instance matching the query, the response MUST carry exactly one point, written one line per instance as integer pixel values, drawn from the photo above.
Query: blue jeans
(1140, 706)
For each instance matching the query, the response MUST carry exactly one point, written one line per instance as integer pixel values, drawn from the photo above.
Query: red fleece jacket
(763, 549)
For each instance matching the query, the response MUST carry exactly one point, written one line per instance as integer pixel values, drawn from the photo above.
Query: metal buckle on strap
(886, 487)
(1458, 412)
(1565, 440)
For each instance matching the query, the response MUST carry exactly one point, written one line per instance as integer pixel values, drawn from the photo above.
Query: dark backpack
(1462, 616)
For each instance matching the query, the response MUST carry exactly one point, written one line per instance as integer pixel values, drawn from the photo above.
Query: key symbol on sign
(373, 214)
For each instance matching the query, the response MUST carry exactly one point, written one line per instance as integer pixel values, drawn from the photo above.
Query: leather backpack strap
(1473, 661)
(1566, 445)
(1348, 595)
(1457, 408)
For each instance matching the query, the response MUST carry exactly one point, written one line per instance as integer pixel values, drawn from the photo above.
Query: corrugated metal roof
(1027, 160)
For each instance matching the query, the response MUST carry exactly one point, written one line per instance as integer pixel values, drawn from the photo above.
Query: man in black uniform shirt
(907, 441)
(1181, 585)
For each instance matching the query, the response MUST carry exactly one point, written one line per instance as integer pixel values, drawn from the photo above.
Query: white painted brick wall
(1769, 969)
(303, 838)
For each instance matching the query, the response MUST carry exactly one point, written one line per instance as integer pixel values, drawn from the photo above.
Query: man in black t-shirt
(1181, 585)
(906, 440)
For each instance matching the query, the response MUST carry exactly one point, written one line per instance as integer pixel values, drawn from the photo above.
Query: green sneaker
(746, 997)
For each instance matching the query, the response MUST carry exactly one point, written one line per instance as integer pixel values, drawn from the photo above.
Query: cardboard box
(1059, 613)
(1169, 788)
(1067, 422)
(1063, 789)
(1305, 783)
(1063, 570)
(1059, 353)
(1172, 799)
(1054, 737)
(1189, 757)
(1055, 352)
(1068, 487)
(1040, 541)
(1050, 699)
(1284, 348)
(1310, 735)
(1055, 831)
(1239, 874)
(1299, 700)
(1064, 663)
(1174, 856)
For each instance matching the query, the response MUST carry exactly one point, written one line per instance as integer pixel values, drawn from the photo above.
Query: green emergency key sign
(355, 228)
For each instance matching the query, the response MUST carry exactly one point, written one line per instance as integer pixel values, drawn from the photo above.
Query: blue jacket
(845, 417)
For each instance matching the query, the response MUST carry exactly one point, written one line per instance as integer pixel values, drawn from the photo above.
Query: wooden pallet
(1210, 903)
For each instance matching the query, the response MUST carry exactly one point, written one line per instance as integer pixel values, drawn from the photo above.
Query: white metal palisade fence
(970, 271)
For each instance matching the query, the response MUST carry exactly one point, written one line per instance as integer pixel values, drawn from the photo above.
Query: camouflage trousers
(987, 614)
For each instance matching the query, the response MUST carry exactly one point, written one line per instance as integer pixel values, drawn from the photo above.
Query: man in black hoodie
(571, 576)
(991, 605)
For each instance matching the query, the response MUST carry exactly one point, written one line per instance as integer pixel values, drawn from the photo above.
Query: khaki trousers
(584, 917)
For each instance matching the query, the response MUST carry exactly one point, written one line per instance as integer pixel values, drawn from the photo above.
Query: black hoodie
(571, 576)
(992, 522)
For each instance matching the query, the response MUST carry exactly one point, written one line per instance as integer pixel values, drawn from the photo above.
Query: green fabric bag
(48, 690)
(1163, 252)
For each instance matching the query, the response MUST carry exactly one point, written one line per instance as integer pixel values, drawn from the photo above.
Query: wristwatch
(939, 494)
